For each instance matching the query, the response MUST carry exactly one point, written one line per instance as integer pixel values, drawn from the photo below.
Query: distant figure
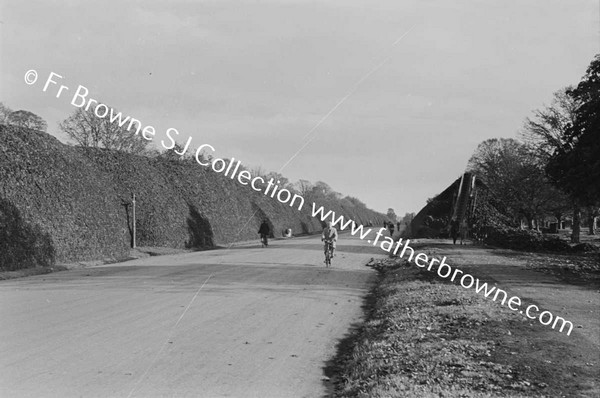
(330, 234)
(391, 228)
(398, 226)
(264, 232)
(454, 230)
(464, 230)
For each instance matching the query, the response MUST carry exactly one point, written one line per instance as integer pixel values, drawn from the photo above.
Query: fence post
(133, 207)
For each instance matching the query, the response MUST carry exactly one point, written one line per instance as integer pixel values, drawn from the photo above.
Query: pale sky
(252, 78)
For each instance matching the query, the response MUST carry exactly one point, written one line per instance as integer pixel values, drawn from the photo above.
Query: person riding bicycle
(264, 232)
(329, 234)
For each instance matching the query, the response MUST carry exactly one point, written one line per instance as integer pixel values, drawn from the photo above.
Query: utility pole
(133, 207)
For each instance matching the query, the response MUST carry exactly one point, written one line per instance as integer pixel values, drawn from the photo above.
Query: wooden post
(133, 207)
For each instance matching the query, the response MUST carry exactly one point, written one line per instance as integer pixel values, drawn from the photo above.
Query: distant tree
(405, 221)
(560, 205)
(495, 157)
(536, 195)
(4, 112)
(336, 195)
(391, 214)
(304, 187)
(515, 176)
(575, 166)
(408, 217)
(90, 131)
(545, 132)
(27, 119)
(321, 189)
(283, 181)
(258, 171)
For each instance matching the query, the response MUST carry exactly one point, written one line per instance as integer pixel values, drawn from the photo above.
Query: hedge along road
(240, 322)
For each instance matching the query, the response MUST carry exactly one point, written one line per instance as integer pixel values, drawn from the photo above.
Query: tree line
(553, 168)
(21, 118)
(84, 129)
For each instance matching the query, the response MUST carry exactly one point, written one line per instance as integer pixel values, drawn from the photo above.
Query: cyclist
(264, 232)
(329, 234)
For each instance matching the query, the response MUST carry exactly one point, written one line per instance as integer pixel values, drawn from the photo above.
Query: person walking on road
(264, 232)
(454, 230)
(463, 231)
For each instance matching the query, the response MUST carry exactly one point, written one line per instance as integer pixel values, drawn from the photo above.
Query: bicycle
(263, 240)
(328, 252)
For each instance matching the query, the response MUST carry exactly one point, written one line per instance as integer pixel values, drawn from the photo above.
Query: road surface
(240, 322)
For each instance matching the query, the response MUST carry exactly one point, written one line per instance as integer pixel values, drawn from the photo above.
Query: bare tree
(408, 217)
(304, 187)
(258, 171)
(27, 119)
(89, 130)
(280, 180)
(545, 132)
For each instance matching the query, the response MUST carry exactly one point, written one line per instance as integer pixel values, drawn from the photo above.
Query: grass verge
(22, 273)
(425, 337)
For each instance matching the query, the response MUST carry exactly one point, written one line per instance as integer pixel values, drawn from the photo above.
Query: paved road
(240, 322)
